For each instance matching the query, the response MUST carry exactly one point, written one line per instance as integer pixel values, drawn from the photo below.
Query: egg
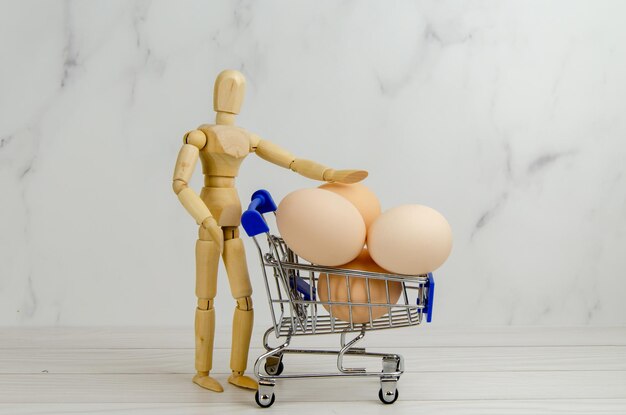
(321, 226)
(336, 284)
(410, 239)
(360, 196)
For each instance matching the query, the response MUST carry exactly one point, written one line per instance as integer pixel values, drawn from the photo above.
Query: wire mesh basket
(298, 309)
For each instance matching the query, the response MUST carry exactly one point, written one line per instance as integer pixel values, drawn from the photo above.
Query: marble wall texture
(507, 117)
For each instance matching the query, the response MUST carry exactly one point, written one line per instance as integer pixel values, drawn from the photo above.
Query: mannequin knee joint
(244, 303)
(205, 303)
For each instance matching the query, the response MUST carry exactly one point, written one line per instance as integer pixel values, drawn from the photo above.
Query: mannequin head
(230, 87)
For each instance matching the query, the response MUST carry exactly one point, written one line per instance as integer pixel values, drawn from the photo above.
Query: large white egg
(410, 239)
(334, 287)
(321, 226)
(360, 196)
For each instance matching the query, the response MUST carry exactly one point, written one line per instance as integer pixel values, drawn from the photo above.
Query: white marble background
(507, 117)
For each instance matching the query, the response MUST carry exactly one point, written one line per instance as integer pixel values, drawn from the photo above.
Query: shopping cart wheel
(265, 400)
(389, 396)
(274, 369)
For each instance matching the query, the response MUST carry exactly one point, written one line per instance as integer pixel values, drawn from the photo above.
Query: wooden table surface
(448, 371)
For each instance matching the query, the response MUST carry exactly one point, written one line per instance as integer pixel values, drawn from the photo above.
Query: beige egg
(410, 239)
(336, 284)
(321, 226)
(360, 196)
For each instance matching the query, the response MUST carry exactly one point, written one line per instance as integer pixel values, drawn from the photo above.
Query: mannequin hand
(344, 176)
(215, 231)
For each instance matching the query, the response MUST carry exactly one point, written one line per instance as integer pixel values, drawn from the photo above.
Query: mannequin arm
(185, 165)
(307, 168)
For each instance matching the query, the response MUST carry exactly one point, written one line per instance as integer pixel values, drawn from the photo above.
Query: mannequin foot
(243, 381)
(205, 381)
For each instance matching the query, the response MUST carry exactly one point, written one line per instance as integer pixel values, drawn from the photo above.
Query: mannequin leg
(207, 261)
(237, 269)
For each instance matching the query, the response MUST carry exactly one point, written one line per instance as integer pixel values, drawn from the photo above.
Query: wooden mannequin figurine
(221, 148)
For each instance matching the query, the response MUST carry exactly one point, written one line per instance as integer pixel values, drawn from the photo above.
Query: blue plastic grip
(252, 219)
(304, 289)
(430, 297)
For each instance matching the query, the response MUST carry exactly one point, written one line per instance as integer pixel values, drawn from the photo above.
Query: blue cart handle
(252, 219)
(430, 297)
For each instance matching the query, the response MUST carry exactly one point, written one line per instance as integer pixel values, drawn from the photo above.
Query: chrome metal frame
(293, 315)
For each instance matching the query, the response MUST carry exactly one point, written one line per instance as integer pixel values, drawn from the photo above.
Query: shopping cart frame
(293, 303)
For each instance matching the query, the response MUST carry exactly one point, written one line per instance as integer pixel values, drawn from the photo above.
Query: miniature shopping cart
(297, 310)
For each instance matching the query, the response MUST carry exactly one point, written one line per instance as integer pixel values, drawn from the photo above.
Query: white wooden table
(462, 371)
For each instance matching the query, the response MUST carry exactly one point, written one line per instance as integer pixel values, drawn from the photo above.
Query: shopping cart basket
(296, 309)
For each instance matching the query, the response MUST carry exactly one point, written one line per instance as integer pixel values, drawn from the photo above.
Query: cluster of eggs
(341, 225)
